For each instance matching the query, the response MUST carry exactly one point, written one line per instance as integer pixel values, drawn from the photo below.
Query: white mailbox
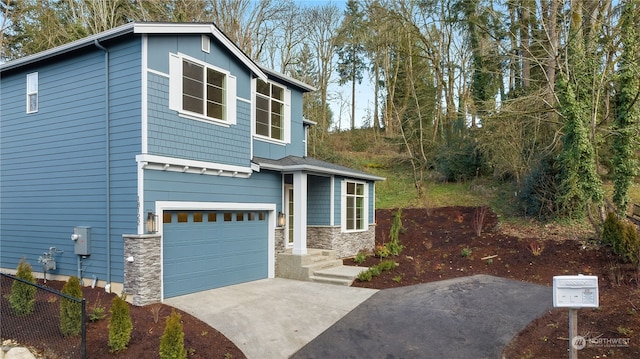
(575, 291)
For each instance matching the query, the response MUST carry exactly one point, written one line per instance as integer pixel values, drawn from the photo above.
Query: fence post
(83, 344)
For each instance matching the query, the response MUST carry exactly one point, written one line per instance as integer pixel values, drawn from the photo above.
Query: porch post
(300, 210)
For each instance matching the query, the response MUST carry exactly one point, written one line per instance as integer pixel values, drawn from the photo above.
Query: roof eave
(142, 28)
(309, 168)
(301, 85)
(71, 46)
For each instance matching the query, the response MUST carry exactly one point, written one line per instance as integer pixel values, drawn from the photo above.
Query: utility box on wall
(575, 291)
(82, 238)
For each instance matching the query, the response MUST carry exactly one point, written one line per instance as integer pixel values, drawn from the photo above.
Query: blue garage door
(210, 249)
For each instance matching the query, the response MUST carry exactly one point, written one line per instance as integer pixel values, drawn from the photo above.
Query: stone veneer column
(345, 244)
(142, 278)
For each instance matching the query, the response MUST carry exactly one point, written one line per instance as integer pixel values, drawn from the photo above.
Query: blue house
(159, 159)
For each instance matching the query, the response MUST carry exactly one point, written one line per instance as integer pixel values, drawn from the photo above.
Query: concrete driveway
(464, 318)
(272, 318)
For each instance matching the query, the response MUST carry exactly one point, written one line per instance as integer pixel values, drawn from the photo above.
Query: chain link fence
(40, 330)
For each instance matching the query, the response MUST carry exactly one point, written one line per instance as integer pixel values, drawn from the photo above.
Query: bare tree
(322, 23)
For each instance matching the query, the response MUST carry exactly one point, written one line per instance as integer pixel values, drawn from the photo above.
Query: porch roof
(309, 164)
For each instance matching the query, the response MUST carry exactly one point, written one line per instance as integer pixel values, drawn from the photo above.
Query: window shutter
(231, 100)
(287, 116)
(175, 82)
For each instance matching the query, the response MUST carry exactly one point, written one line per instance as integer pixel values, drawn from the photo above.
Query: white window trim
(286, 116)
(343, 206)
(175, 91)
(32, 78)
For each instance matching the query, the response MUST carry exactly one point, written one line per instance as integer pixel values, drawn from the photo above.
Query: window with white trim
(272, 111)
(201, 91)
(355, 204)
(32, 92)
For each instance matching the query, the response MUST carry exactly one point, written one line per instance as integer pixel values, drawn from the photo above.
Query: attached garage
(206, 249)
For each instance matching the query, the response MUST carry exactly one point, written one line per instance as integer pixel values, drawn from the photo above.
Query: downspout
(107, 103)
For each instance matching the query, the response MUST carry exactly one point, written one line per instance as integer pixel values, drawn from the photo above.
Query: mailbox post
(575, 292)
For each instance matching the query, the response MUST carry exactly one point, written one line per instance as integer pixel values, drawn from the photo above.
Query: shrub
(365, 276)
(360, 258)
(459, 160)
(394, 245)
(381, 251)
(623, 238)
(386, 265)
(22, 297)
(172, 341)
(539, 192)
(119, 324)
(70, 310)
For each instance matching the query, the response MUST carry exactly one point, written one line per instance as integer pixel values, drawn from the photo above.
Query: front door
(288, 200)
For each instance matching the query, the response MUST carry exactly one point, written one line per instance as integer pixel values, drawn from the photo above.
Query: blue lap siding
(54, 162)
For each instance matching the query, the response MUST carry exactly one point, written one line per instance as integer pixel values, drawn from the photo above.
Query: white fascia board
(163, 163)
(321, 170)
(74, 45)
(186, 28)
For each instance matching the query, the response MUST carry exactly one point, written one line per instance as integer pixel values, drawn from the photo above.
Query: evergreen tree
(172, 341)
(120, 325)
(350, 51)
(22, 297)
(70, 310)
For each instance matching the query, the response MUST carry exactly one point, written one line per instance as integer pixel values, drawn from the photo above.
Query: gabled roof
(309, 164)
(142, 28)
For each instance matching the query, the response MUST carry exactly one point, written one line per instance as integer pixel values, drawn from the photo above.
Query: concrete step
(328, 280)
(318, 255)
(320, 265)
(342, 275)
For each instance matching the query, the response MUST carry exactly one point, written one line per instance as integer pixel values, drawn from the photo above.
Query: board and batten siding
(53, 162)
(318, 200)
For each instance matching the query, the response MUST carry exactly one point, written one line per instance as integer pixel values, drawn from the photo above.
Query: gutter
(107, 103)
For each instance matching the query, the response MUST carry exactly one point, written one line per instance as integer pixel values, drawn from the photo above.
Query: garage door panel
(203, 255)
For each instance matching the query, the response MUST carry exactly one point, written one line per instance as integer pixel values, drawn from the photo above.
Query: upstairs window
(272, 111)
(354, 206)
(201, 91)
(32, 92)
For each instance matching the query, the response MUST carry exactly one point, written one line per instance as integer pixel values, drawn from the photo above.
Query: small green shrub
(360, 258)
(375, 271)
(22, 297)
(465, 252)
(394, 245)
(397, 279)
(70, 310)
(120, 325)
(381, 251)
(172, 341)
(365, 276)
(386, 265)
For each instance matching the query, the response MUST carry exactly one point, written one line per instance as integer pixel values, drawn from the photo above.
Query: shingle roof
(294, 163)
